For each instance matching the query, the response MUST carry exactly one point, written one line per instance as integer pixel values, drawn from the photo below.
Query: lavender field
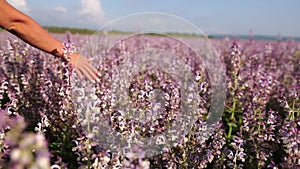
(41, 125)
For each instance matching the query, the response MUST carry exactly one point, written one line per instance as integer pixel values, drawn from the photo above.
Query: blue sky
(233, 17)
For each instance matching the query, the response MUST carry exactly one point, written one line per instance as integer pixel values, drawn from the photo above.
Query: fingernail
(93, 81)
(99, 74)
(98, 80)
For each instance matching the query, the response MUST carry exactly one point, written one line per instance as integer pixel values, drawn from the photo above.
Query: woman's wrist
(58, 51)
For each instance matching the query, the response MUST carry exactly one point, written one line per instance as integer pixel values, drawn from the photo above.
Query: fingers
(88, 75)
(91, 72)
(84, 68)
(79, 74)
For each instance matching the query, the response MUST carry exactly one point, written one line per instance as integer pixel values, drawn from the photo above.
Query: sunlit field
(41, 125)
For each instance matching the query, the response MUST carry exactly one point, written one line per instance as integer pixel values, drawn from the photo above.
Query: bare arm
(31, 32)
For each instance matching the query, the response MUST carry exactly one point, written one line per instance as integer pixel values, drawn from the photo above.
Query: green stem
(187, 148)
(292, 111)
(89, 141)
(229, 132)
(233, 109)
(232, 119)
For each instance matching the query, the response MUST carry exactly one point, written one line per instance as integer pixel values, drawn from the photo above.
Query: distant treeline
(256, 37)
(63, 30)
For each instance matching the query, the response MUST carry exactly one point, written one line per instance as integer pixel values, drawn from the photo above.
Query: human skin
(31, 32)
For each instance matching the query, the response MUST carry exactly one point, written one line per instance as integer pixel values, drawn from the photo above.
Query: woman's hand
(31, 32)
(83, 67)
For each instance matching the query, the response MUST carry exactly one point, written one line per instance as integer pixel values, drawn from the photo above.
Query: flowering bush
(40, 126)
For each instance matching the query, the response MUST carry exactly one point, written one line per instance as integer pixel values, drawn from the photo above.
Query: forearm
(28, 30)
(31, 32)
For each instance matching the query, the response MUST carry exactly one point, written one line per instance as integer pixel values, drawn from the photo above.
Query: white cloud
(60, 9)
(19, 4)
(92, 10)
(83, 14)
